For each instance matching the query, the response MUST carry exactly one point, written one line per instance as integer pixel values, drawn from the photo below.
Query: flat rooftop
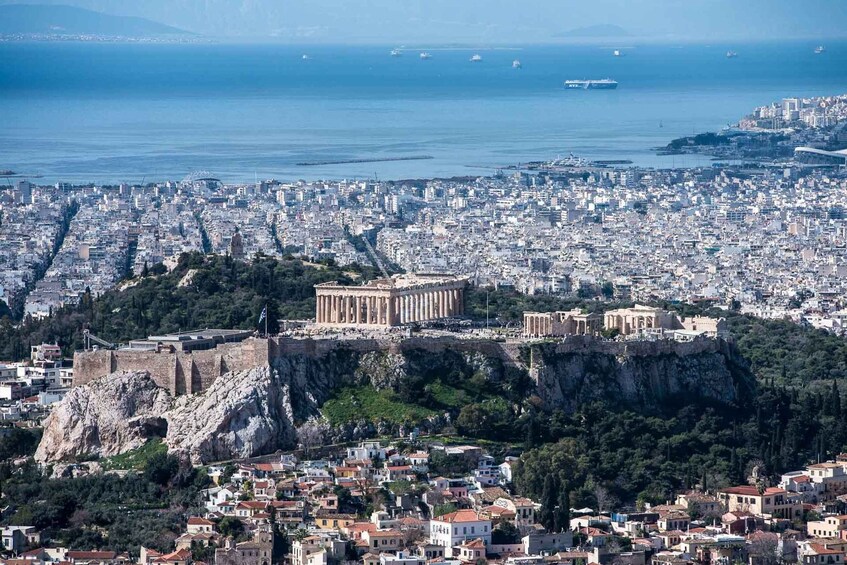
(191, 340)
(200, 334)
(402, 281)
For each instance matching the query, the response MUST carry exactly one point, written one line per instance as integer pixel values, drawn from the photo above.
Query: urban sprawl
(768, 240)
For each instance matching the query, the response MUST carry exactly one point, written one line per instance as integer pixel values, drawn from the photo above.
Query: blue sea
(108, 112)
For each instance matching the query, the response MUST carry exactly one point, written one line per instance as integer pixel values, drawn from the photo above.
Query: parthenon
(401, 299)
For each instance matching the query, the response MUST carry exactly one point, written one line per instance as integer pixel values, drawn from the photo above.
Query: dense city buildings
(770, 241)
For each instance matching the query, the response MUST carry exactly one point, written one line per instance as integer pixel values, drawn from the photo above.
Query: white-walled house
(452, 529)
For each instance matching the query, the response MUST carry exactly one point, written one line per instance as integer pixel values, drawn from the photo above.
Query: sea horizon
(115, 112)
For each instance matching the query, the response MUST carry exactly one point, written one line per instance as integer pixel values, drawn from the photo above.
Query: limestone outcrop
(254, 411)
(242, 414)
(107, 417)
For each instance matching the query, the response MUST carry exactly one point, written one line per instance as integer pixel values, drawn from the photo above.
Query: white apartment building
(452, 529)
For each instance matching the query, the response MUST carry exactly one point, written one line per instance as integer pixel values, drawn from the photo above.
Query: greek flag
(264, 314)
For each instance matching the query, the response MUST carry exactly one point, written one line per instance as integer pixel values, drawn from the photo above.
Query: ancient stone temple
(401, 299)
(571, 322)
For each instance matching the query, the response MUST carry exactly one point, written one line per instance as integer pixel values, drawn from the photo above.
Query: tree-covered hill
(779, 351)
(603, 450)
(201, 292)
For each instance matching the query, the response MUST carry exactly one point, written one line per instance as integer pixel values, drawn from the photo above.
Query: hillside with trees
(602, 452)
(203, 291)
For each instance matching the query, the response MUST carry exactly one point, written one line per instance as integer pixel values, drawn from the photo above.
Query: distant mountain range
(37, 19)
(600, 30)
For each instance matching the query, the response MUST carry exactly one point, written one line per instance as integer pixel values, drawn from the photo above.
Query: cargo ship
(603, 84)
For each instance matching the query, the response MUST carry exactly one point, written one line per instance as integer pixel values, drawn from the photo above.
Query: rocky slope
(106, 417)
(254, 412)
(642, 378)
(242, 414)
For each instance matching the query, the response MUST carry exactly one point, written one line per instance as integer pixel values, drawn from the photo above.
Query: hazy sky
(489, 21)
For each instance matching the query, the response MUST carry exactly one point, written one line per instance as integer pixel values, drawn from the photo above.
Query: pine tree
(834, 401)
(548, 502)
(563, 510)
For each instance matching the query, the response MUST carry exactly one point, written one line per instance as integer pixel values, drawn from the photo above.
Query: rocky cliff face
(107, 417)
(640, 380)
(242, 414)
(254, 412)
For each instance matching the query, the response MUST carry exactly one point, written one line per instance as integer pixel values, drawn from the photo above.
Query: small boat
(516, 64)
(305, 57)
(617, 53)
(396, 52)
(819, 49)
(731, 54)
(425, 55)
(476, 59)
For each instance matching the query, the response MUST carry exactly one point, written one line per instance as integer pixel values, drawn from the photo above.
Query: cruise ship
(603, 84)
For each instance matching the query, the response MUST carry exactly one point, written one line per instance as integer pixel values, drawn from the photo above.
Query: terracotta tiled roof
(459, 516)
(91, 555)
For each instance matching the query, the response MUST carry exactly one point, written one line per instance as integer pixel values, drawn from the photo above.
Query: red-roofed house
(248, 508)
(772, 501)
(178, 557)
(399, 473)
(471, 551)
(818, 554)
(451, 529)
(96, 558)
(198, 525)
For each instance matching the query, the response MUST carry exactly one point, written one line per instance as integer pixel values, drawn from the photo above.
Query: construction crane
(88, 337)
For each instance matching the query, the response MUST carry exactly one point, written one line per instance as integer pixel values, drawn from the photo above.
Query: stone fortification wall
(185, 373)
(177, 372)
